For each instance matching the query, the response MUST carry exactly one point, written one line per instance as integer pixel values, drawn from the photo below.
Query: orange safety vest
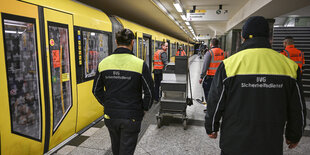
(217, 56)
(294, 54)
(182, 53)
(158, 63)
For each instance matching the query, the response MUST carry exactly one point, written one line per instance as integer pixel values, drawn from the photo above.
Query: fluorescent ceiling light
(13, 32)
(13, 24)
(183, 17)
(187, 23)
(189, 27)
(178, 7)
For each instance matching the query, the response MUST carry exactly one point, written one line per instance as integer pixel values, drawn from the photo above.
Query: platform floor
(170, 139)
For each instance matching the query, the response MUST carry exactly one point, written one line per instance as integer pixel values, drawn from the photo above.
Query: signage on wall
(207, 15)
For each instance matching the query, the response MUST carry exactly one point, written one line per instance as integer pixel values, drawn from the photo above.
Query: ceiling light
(178, 7)
(13, 32)
(189, 27)
(187, 23)
(183, 17)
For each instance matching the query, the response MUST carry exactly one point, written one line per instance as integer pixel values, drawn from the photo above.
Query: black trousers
(206, 85)
(157, 78)
(124, 135)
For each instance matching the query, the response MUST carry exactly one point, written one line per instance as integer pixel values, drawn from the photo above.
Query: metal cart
(174, 87)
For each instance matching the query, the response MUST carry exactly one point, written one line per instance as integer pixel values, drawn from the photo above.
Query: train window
(134, 49)
(60, 71)
(22, 75)
(140, 48)
(91, 47)
(95, 48)
(153, 42)
(157, 46)
(173, 50)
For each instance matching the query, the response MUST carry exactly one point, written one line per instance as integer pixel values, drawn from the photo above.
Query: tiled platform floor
(170, 139)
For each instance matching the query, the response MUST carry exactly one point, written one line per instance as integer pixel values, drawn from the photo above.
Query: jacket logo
(261, 79)
(116, 73)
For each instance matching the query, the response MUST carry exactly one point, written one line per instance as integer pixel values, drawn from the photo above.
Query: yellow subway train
(49, 52)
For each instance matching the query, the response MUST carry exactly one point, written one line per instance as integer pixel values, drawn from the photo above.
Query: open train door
(22, 103)
(61, 80)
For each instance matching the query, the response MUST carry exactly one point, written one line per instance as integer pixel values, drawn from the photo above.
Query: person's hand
(200, 81)
(213, 135)
(291, 145)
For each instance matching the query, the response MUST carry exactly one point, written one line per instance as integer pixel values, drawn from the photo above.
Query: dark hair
(124, 37)
(289, 40)
(162, 43)
(215, 42)
(288, 37)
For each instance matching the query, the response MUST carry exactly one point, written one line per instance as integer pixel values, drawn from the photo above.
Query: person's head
(288, 41)
(180, 48)
(164, 46)
(214, 42)
(256, 26)
(125, 38)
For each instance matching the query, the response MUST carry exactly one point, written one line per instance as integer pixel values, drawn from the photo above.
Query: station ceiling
(149, 13)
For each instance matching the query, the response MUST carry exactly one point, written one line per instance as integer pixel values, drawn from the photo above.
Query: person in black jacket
(257, 93)
(118, 86)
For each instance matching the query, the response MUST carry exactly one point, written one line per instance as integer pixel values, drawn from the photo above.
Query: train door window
(153, 42)
(22, 75)
(146, 50)
(140, 48)
(173, 50)
(95, 48)
(60, 71)
(158, 46)
(134, 49)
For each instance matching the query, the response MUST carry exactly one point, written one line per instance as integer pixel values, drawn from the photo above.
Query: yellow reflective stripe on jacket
(260, 61)
(126, 62)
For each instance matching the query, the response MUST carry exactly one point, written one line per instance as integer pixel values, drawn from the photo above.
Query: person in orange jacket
(180, 52)
(160, 62)
(293, 53)
(212, 60)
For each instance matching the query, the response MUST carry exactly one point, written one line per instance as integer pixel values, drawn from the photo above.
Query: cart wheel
(184, 124)
(159, 121)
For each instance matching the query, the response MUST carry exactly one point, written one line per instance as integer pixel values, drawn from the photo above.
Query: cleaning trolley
(174, 88)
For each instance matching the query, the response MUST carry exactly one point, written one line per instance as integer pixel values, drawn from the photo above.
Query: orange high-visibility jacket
(158, 63)
(182, 53)
(294, 54)
(217, 56)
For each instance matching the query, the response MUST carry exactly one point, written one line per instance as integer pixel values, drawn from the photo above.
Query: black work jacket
(118, 85)
(257, 93)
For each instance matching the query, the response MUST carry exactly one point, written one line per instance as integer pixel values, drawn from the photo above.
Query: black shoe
(205, 110)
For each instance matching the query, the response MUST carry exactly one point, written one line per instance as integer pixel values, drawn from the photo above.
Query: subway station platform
(171, 138)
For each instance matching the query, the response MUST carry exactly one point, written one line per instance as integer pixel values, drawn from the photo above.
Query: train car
(147, 41)
(49, 56)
